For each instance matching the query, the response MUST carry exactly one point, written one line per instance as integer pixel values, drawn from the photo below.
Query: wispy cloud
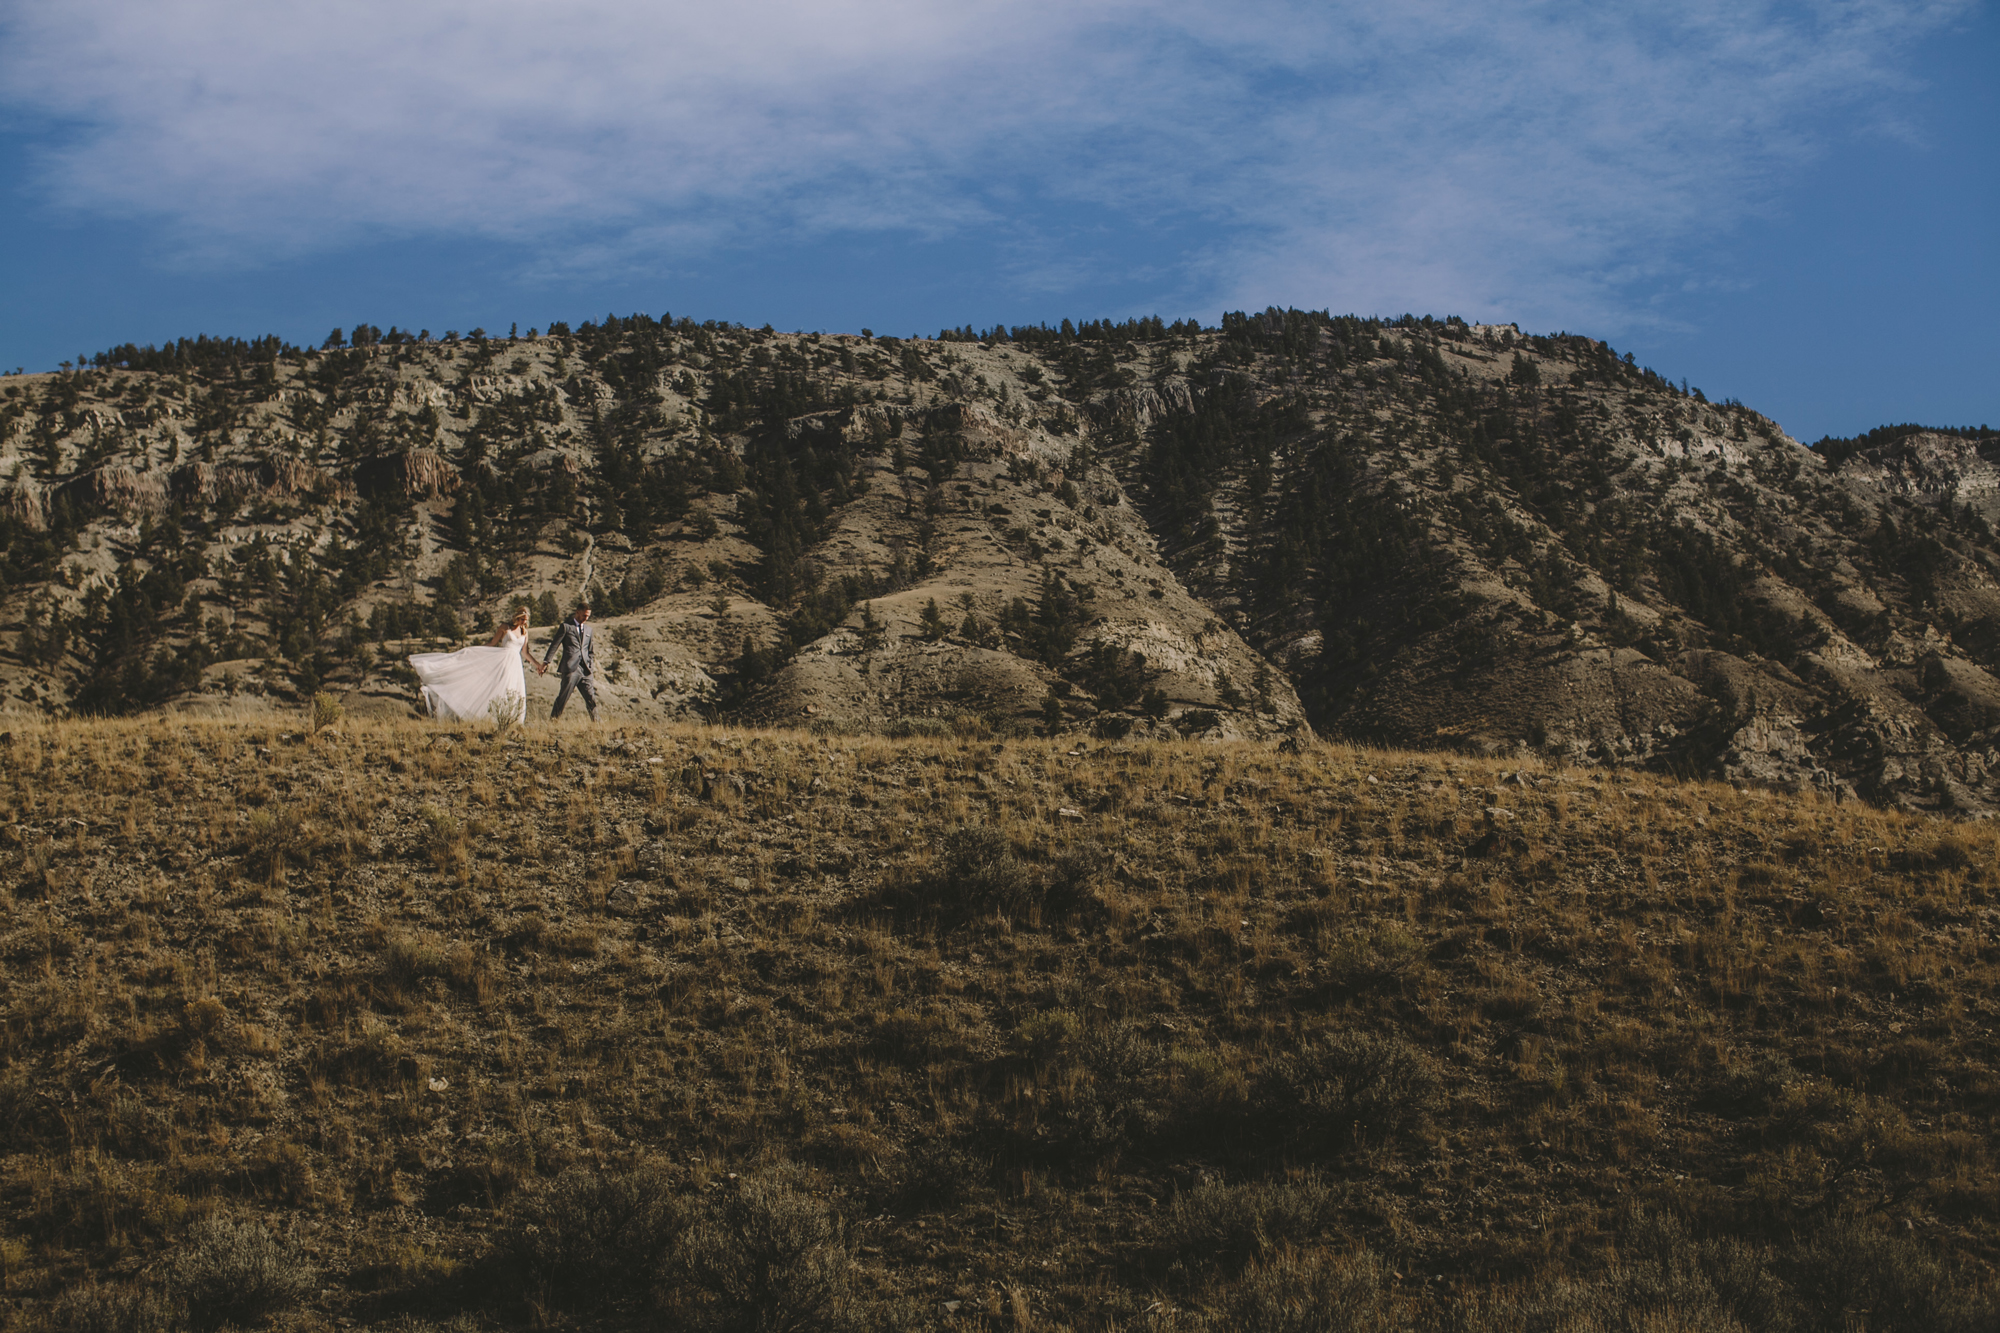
(1542, 161)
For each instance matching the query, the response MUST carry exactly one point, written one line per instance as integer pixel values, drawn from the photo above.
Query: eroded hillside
(1414, 533)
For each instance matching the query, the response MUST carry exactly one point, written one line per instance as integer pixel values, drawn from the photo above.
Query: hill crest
(1411, 532)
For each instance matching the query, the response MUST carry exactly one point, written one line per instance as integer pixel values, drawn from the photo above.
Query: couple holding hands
(490, 680)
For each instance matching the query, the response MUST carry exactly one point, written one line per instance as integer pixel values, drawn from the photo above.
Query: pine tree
(1052, 711)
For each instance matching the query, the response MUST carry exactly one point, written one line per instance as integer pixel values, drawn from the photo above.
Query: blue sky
(1797, 205)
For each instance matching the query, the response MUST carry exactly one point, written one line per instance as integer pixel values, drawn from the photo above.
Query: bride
(484, 681)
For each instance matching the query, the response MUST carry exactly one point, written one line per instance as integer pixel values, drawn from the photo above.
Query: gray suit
(578, 662)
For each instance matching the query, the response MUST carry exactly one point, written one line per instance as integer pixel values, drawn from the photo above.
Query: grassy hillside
(691, 1027)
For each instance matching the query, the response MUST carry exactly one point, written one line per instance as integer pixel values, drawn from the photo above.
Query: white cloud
(1536, 161)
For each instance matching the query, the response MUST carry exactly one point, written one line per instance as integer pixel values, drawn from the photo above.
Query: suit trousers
(583, 685)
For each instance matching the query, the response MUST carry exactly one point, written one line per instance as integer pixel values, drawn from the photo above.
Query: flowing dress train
(466, 685)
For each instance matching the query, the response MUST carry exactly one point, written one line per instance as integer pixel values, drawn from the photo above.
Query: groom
(578, 661)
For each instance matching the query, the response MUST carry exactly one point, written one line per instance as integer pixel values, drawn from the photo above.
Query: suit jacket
(578, 653)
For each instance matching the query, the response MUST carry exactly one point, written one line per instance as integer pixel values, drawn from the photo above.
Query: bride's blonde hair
(520, 615)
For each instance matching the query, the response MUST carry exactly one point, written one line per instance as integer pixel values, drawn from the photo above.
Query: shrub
(978, 873)
(1085, 1123)
(1753, 1087)
(235, 1273)
(326, 712)
(1704, 1282)
(376, 1058)
(1044, 1034)
(1950, 851)
(1376, 959)
(918, 1037)
(1226, 1226)
(408, 959)
(505, 712)
(587, 1239)
(1353, 1088)
(272, 839)
(1068, 885)
(1100, 1090)
(1210, 1091)
(768, 1258)
(1195, 721)
(442, 837)
(1849, 1266)
(971, 726)
(939, 1173)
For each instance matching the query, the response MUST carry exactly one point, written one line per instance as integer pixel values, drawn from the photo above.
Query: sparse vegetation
(532, 1031)
(226, 1273)
(1407, 531)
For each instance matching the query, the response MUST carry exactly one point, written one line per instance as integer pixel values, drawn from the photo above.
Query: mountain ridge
(1410, 532)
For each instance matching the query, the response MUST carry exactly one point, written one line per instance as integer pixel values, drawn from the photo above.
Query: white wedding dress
(468, 684)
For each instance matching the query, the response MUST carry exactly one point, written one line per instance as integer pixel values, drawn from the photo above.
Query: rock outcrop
(420, 473)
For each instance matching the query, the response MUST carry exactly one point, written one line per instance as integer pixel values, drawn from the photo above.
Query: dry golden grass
(380, 987)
